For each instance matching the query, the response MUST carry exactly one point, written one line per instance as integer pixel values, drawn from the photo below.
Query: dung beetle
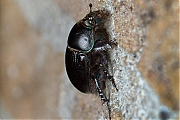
(86, 55)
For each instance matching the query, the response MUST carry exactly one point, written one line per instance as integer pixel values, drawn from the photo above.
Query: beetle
(86, 57)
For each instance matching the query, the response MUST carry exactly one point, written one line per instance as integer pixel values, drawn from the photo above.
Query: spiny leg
(103, 62)
(105, 70)
(103, 97)
(109, 110)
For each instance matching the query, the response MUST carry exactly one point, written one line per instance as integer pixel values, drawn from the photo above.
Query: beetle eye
(90, 21)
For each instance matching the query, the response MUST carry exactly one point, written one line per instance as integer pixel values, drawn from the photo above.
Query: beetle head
(93, 19)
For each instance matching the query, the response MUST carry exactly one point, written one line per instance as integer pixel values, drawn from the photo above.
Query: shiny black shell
(77, 60)
(83, 58)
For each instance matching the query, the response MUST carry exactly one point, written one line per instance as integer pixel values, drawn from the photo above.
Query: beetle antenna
(90, 6)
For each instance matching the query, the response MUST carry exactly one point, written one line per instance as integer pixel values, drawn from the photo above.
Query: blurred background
(33, 35)
(32, 45)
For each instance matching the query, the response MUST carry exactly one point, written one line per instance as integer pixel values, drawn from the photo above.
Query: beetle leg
(105, 70)
(102, 48)
(103, 97)
(105, 47)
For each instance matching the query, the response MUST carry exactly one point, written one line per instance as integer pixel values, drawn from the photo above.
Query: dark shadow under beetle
(87, 57)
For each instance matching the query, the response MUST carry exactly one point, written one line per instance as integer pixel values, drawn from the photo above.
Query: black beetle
(86, 56)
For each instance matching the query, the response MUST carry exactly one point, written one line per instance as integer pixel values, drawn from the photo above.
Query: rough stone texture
(145, 64)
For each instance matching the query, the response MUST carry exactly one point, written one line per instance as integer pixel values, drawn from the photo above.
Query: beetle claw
(113, 43)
